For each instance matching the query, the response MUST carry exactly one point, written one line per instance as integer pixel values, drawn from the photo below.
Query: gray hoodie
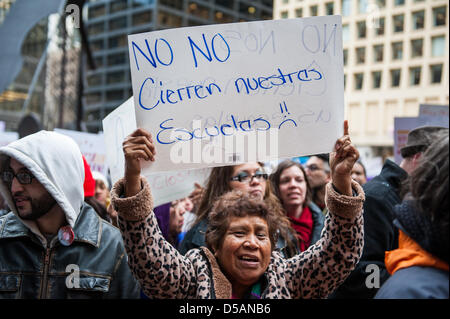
(56, 162)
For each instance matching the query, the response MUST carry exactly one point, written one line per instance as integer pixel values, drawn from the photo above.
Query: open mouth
(249, 261)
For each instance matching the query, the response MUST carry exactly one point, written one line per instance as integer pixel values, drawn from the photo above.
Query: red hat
(89, 181)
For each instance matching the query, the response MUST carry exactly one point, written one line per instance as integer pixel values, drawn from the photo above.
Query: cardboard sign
(433, 110)
(231, 93)
(92, 146)
(165, 187)
(402, 126)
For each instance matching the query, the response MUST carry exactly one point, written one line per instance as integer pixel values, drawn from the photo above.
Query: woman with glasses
(239, 259)
(291, 186)
(251, 179)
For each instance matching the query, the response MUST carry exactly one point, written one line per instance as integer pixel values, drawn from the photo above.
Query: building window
(395, 78)
(359, 78)
(414, 76)
(169, 20)
(360, 55)
(96, 11)
(346, 6)
(96, 28)
(436, 73)
(118, 5)
(299, 12)
(345, 53)
(361, 29)
(380, 3)
(98, 61)
(378, 53)
(115, 77)
(118, 23)
(345, 33)
(176, 4)
(221, 17)
(376, 79)
(439, 16)
(362, 6)
(94, 97)
(117, 41)
(141, 18)
(438, 46)
(94, 80)
(397, 50)
(398, 22)
(115, 95)
(284, 14)
(418, 20)
(416, 48)
(380, 29)
(97, 45)
(399, 2)
(202, 11)
(329, 8)
(313, 10)
(116, 59)
(345, 81)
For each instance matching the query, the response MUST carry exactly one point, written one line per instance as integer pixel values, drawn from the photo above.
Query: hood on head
(56, 162)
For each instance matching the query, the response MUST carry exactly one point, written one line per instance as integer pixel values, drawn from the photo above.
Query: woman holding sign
(249, 178)
(239, 260)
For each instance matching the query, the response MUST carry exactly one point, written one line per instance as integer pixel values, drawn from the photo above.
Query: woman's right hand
(136, 147)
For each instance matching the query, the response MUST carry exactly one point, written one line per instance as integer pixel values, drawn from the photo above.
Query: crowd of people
(318, 230)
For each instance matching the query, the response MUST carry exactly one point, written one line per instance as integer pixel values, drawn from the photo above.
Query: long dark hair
(428, 183)
(275, 180)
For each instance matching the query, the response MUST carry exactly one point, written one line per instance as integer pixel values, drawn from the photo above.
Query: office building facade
(109, 22)
(395, 58)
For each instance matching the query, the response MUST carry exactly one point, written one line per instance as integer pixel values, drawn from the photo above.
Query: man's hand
(342, 160)
(136, 147)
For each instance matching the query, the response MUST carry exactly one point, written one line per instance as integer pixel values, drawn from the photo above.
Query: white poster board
(92, 146)
(166, 186)
(8, 137)
(402, 126)
(2, 126)
(231, 93)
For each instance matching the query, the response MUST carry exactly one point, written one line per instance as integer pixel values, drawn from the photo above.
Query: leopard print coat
(164, 273)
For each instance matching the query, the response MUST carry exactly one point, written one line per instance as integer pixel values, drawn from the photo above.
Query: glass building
(110, 21)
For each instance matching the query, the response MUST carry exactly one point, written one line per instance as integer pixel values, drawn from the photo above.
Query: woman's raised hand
(342, 159)
(136, 147)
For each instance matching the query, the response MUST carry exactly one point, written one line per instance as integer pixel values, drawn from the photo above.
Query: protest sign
(91, 146)
(8, 137)
(116, 127)
(167, 186)
(402, 126)
(433, 110)
(231, 93)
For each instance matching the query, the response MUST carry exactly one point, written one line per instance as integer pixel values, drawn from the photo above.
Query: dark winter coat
(380, 234)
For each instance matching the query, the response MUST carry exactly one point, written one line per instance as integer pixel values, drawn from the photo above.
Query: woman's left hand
(342, 160)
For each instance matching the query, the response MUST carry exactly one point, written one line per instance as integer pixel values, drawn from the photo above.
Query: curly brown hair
(218, 183)
(237, 204)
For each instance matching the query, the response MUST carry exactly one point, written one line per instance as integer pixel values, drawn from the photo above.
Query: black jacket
(30, 270)
(380, 234)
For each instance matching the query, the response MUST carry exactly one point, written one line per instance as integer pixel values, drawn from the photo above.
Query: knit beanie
(89, 181)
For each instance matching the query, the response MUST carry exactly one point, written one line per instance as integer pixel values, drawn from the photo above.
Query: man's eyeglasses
(244, 177)
(23, 177)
